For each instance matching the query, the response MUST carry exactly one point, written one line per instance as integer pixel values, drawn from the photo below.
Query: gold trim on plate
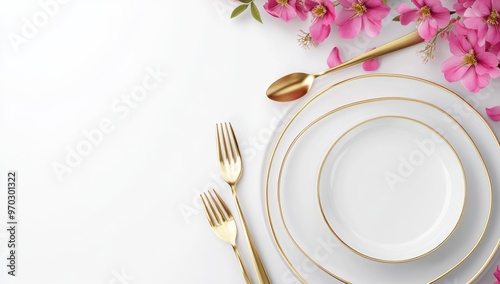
(490, 258)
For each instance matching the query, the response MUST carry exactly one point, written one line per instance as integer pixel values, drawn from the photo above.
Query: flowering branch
(472, 31)
(305, 40)
(430, 46)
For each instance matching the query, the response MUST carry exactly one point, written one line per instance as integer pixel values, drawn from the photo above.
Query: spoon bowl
(296, 85)
(290, 87)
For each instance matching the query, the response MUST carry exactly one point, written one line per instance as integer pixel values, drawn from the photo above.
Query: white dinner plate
(391, 188)
(297, 206)
(319, 257)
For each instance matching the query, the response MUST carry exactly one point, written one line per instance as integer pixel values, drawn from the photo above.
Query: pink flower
(323, 13)
(372, 64)
(334, 58)
(357, 15)
(470, 63)
(283, 9)
(484, 17)
(430, 14)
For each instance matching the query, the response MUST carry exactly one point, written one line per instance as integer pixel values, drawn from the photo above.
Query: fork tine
(224, 209)
(221, 143)
(227, 143)
(208, 211)
(215, 209)
(218, 207)
(233, 143)
(217, 217)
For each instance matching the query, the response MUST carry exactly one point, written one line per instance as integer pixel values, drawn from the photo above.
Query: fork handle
(257, 261)
(243, 269)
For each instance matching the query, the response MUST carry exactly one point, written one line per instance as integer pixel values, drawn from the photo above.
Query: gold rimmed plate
(298, 210)
(318, 257)
(391, 188)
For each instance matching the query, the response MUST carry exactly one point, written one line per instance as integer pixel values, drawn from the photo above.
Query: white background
(128, 211)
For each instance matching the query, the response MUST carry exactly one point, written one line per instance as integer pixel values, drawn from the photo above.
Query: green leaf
(255, 12)
(246, 1)
(396, 19)
(238, 10)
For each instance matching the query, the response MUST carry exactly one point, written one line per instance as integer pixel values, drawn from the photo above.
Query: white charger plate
(382, 86)
(391, 188)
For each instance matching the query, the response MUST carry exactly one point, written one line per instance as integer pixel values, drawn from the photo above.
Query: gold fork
(231, 169)
(222, 222)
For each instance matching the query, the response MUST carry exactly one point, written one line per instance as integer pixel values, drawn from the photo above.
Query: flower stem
(430, 47)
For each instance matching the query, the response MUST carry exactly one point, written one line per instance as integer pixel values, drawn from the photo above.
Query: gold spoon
(296, 85)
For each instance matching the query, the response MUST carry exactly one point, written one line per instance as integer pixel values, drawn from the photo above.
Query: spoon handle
(397, 44)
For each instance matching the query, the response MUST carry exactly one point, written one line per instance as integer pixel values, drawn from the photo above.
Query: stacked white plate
(385, 179)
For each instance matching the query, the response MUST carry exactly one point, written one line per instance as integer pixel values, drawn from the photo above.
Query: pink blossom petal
(473, 23)
(487, 64)
(309, 4)
(344, 16)
(483, 80)
(442, 17)
(481, 8)
(472, 81)
(497, 273)
(453, 69)
(434, 5)
(287, 14)
(371, 28)
(347, 3)
(455, 46)
(319, 32)
(377, 13)
(427, 29)
(495, 49)
(464, 44)
(493, 35)
(404, 8)
(334, 58)
(351, 28)
(461, 29)
(418, 3)
(372, 3)
(301, 10)
(473, 39)
(481, 35)
(495, 5)
(372, 64)
(408, 14)
(494, 114)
